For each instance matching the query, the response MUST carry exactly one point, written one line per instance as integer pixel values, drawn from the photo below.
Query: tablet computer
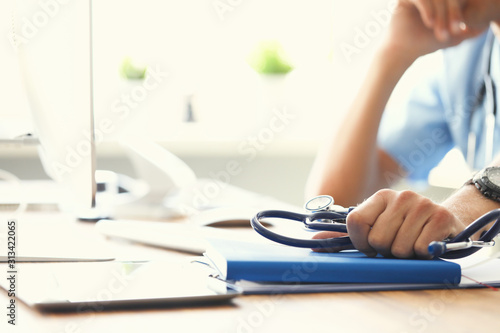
(98, 286)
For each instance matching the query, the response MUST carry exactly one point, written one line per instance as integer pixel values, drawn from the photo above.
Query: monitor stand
(157, 193)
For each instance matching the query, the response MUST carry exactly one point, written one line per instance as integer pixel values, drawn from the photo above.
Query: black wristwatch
(487, 182)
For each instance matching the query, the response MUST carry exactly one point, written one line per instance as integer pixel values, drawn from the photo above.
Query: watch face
(494, 176)
(488, 182)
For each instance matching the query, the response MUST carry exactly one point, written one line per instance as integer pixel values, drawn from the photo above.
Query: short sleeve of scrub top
(436, 115)
(423, 138)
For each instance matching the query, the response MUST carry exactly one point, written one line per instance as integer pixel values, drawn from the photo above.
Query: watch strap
(480, 184)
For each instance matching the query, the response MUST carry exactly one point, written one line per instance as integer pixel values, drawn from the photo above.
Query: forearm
(468, 203)
(349, 168)
(353, 167)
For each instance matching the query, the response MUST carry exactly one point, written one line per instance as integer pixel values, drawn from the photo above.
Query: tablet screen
(96, 286)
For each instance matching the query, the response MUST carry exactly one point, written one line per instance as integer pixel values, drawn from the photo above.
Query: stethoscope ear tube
(339, 242)
(474, 227)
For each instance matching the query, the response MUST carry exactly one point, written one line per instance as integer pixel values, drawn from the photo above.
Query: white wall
(199, 47)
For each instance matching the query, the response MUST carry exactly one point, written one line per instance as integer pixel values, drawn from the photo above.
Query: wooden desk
(394, 311)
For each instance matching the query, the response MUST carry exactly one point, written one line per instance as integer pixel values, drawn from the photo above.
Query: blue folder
(275, 263)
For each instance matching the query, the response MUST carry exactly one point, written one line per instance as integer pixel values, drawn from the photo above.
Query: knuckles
(406, 204)
(442, 217)
(354, 220)
(423, 206)
(384, 194)
(406, 195)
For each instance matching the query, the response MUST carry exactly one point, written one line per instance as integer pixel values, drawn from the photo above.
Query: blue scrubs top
(441, 112)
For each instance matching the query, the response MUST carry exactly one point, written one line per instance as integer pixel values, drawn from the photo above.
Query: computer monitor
(53, 42)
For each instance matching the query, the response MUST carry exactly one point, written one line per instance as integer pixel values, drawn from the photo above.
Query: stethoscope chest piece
(319, 203)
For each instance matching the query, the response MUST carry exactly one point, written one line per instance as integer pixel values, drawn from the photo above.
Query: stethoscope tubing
(470, 230)
(344, 243)
(338, 242)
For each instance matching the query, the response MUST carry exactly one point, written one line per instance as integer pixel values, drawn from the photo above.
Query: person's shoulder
(470, 50)
(463, 66)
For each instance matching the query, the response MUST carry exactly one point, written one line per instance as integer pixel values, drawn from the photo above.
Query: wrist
(397, 55)
(393, 61)
(487, 183)
(468, 203)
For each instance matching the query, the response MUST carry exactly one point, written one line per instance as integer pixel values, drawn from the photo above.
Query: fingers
(361, 220)
(426, 10)
(399, 224)
(439, 226)
(478, 15)
(329, 234)
(441, 25)
(403, 245)
(455, 17)
(444, 17)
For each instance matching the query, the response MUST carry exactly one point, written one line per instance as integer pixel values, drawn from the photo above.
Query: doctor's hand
(398, 224)
(456, 17)
(419, 27)
(444, 17)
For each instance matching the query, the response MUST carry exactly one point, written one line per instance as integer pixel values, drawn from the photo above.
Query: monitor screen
(53, 43)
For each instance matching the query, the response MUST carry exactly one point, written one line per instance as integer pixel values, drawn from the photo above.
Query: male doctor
(451, 110)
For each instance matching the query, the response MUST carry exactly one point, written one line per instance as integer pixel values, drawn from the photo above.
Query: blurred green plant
(132, 71)
(269, 57)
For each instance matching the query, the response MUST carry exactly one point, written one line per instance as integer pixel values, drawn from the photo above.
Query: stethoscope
(486, 95)
(325, 216)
